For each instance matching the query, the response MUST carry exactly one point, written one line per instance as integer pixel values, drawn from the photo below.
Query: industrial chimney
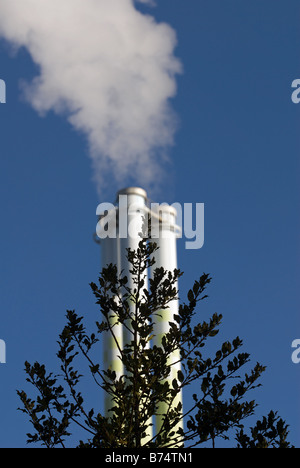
(125, 225)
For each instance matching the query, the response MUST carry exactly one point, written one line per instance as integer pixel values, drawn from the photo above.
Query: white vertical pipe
(164, 230)
(132, 204)
(112, 344)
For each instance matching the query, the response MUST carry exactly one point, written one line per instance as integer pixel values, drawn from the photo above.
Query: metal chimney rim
(133, 191)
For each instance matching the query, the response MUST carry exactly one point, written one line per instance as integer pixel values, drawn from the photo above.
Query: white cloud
(110, 69)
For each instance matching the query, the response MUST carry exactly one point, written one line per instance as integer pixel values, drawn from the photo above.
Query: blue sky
(236, 150)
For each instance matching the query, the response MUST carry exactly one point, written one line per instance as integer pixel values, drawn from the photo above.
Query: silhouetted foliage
(218, 407)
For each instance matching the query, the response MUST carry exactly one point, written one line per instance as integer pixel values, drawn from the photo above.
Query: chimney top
(133, 191)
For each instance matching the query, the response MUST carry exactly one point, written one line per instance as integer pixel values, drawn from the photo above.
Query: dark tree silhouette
(218, 407)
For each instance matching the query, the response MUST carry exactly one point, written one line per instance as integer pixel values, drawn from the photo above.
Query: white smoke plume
(107, 67)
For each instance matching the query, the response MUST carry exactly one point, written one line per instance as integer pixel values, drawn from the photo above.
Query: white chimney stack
(125, 223)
